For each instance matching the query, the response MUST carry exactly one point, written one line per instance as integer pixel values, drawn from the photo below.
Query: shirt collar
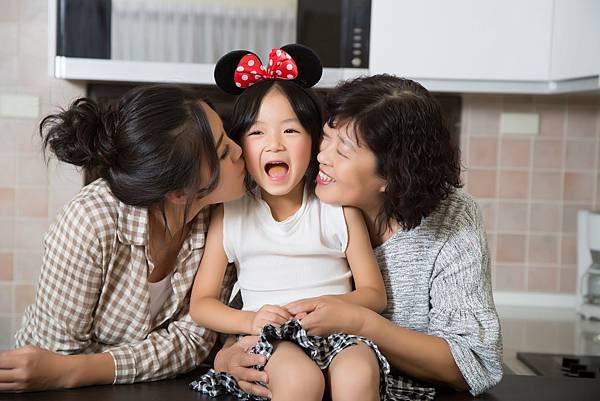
(197, 233)
(132, 226)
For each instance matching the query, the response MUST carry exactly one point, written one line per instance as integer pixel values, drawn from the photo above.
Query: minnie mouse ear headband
(240, 69)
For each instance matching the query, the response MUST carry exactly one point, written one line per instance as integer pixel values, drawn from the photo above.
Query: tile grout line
(560, 233)
(530, 203)
(562, 190)
(497, 190)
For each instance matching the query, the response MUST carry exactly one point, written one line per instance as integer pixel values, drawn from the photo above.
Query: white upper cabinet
(489, 46)
(575, 39)
(462, 39)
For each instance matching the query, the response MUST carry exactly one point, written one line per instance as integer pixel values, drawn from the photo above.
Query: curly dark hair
(402, 123)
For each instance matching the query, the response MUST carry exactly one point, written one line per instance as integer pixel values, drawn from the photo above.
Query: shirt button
(177, 276)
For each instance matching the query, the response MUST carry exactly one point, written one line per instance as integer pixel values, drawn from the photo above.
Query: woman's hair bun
(82, 135)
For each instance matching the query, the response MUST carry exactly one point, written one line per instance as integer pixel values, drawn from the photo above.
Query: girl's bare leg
(293, 376)
(354, 375)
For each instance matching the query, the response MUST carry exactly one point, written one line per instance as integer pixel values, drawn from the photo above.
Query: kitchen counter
(524, 329)
(512, 388)
(545, 330)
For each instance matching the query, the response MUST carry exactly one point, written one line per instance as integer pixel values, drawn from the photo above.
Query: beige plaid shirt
(93, 295)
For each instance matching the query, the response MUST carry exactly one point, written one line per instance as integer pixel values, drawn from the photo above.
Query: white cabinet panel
(462, 39)
(575, 39)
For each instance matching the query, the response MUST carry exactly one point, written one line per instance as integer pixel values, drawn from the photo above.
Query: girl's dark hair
(403, 124)
(151, 143)
(306, 106)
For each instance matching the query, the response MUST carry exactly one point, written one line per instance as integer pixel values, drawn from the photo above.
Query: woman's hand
(235, 360)
(268, 314)
(31, 369)
(322, 316)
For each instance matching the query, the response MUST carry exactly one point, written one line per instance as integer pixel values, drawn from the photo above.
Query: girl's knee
(293, 375)
(299, 382)
(354, 374)
(307, 378)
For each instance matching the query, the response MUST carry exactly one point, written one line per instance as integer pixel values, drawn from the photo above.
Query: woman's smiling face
(347, 169)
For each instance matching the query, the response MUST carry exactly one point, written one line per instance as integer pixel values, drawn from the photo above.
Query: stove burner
(567, 362)
(573, 368)
(562, 365)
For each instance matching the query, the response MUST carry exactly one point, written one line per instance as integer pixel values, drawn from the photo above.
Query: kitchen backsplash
(31, 193)
(530, 187)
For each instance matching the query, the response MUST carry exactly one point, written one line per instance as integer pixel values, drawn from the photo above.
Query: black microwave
(338, 30)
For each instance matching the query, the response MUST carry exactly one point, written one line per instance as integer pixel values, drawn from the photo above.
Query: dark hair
(151, 143)
(403, 124)
(304, 102)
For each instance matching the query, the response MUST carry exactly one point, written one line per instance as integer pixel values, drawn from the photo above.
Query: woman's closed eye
(225, 152)
(255, 132)
(341, 153)
(291, 131)
(345, 147)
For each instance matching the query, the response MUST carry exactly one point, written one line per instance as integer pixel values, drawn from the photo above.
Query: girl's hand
(269, 314)
(32, 369)
(322, 316)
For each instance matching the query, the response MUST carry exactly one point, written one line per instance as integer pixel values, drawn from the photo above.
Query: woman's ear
(177, 197)
(383, 186)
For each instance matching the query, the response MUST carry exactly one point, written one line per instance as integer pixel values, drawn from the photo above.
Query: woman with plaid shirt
(119, 262)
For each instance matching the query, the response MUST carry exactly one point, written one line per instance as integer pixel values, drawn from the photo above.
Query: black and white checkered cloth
(322, 350)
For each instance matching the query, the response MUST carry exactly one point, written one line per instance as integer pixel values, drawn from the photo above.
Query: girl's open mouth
(277, 170)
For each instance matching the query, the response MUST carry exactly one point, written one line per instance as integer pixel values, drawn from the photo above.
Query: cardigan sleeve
(462, 306)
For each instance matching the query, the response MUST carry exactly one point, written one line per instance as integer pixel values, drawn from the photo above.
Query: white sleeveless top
(280, 262)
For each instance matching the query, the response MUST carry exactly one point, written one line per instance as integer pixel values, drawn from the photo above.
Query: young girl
(285, 244)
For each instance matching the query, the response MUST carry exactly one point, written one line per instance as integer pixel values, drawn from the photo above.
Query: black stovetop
(562, 365)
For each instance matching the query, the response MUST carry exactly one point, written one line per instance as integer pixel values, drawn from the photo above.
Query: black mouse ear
(308, 63)
(225, 71)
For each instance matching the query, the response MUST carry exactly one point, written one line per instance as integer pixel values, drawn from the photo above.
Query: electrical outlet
(519, 123)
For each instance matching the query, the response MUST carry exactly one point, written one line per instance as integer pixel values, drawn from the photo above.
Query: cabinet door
(462, 39)
(575, 39)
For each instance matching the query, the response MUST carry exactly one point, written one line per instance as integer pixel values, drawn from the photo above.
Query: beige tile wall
(31, 192)
(530, 187)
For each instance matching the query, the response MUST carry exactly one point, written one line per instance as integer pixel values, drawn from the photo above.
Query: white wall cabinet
(575, 39)
(534, 46)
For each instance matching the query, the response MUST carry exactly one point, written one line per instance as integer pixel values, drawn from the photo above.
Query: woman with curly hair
(387, 151)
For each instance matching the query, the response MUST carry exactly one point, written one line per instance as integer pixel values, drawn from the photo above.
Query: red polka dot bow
(250, 70)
